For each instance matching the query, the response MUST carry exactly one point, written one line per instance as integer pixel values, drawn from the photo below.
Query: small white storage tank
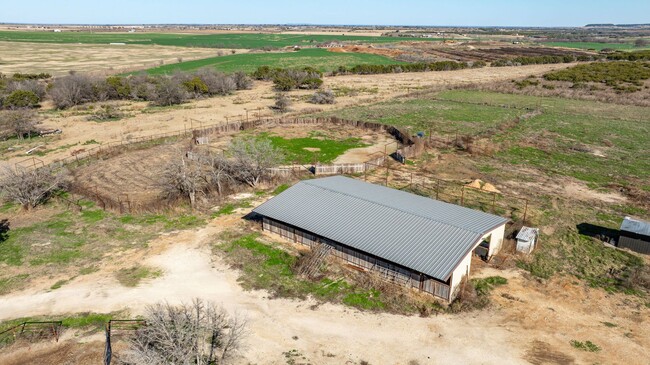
(526, 239)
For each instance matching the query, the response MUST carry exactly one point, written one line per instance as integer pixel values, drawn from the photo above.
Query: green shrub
(613, 74)
(585, 346)
(630, 56)
(21, 77)
(483, 286)
(284, 83)
(537, 60)
(196, 85)
(409, 67)
(118, 87)
(22, 99)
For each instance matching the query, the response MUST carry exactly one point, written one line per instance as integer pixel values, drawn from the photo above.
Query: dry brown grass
(59, 59)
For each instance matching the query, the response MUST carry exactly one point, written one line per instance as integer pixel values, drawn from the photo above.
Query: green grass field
(443, 117)
(242, 41)
(318, 58)
(594, 45)
(594, 142)
(325, 150)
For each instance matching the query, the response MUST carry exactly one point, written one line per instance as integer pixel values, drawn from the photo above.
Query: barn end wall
(461, 272)
(496, 239)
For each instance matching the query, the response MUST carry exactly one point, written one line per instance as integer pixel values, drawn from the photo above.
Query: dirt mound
(481, 185)
(368, 50)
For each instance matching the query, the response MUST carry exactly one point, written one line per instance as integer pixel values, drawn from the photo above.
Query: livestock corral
(127, 178)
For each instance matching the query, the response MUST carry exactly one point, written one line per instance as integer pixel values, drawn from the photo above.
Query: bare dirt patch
(369, 50)
(379, 145)
(569, 189)
(133, 175)
(66, 352)
(541, 353)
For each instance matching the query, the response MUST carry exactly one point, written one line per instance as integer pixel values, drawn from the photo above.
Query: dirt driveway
(531, 322)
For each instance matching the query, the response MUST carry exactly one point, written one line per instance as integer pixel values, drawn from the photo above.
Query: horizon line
(324, 25)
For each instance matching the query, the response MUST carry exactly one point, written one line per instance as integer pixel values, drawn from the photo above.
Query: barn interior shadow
(604, 234)
(4, 230)
(253, 217)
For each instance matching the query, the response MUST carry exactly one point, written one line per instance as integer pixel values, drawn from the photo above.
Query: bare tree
(219, 171)
(19, 122)
(251, 159)
(323, 97)
(200, 333)
(218, 83)
(169, 91)
(242, 80)
(641, 43)
(282, 103)
(184, 177)
(72, 90)
(33, 187)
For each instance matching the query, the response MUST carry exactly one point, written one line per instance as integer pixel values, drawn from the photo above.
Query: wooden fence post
(462, 195)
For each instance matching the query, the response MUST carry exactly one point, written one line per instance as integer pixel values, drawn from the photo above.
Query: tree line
(27, 91)
(542, 60)
(368, 69)
(290, 79)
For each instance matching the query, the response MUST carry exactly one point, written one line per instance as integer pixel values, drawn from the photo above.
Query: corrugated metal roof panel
(419, 233)
(527, 233)
(636, 226)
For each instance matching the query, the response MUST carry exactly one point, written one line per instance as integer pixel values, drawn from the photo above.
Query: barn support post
(525, 209)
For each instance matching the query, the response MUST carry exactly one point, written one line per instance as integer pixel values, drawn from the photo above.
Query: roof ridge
(390, 207)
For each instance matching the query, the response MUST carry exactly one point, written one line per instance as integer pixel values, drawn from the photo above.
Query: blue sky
(380, 12)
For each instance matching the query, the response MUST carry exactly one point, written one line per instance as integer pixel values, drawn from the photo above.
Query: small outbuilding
(412, 240)
(635, 235)
(526, 239)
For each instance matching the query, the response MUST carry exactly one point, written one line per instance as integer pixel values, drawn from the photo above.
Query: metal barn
(409, 239)
(635, 235)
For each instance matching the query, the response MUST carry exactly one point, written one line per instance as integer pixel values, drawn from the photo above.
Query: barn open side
(415, 241)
